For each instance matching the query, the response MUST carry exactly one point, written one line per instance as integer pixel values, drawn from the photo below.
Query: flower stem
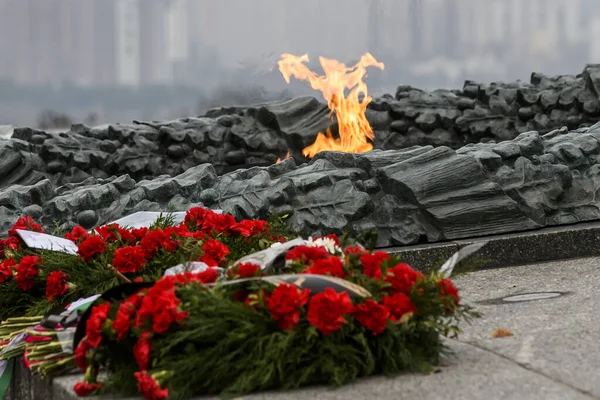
(42, 334)
(12, 326)
(45, 357)
(17, 320)
(45, 347)
(52, 368)
(118, 274)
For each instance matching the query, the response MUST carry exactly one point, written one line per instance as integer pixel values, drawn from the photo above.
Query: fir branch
(163, 221)
(119, 275)
(57, 229)
(230, 349)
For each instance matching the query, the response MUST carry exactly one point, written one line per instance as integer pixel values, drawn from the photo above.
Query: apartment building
(92, 42)
(145, 42)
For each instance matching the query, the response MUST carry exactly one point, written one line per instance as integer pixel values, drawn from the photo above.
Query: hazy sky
(210, 44)
(173, 40)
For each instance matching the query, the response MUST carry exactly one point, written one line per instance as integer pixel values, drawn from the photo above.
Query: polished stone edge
(547, 244)
(25, 386)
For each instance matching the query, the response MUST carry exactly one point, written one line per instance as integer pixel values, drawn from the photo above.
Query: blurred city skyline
(107, 47)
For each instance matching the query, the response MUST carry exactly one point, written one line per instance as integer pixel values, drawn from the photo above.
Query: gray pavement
(554, 353)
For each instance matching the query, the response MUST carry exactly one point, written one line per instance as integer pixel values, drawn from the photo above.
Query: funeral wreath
(217, 306)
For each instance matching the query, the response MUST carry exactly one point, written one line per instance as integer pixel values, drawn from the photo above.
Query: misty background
(101, 61)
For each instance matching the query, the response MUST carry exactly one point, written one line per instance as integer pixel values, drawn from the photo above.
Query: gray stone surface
(472, 374)
(547, 244)
(554, 353)
(556, 337)
(469, 185)
(479, 112)
(413, 195)
(426, 256)
(238, 137)
(141, 149)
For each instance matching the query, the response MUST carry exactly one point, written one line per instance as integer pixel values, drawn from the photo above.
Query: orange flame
(286, 157)
(354, 129)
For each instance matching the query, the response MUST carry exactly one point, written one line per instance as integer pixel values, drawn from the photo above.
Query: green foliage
(163, 221)
(230, 349)
(14, 302)
(87, 278)
(57, 229)
(226, 347)
(367, 238)
(241, 246)
(97, 275)
(278, 226)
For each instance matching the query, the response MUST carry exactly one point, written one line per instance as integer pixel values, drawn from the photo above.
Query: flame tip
(354, 129)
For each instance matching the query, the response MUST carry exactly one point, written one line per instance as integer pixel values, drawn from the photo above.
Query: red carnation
(331, 265)
(333, 237)
(372, 263)
(326, 310)
(181, 231)
(209, 275)
(6, 269)
(447, 289)
(156, 240)
(141, 351)
(285, 303)
(306, 254)
(354, 250)
(127, 309)
(126, 236)
(277, 238)
(25, 223)
(161, 306)
(194, 217)
(11, 243)
(110, 232)
(139, 233)
(207, 221)
(214, 252)
(95, 323)
(149, 387)
(260, 226)
(129, 259)
(402, 277)
(163, 319)
(27, 271)
(218, 223)
(91, 247)
(243, 228)
(244, 270)
(199, 235)
(372, 316)
(81, 353)
(249, 227)
(84, 389)
(56, 284)
(399, 305)
(78, 234)
(113, 233)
